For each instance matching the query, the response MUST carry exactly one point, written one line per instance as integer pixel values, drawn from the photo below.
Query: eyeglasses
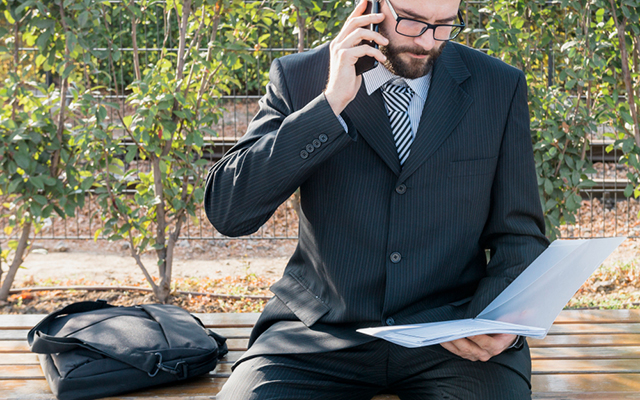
(414, 28)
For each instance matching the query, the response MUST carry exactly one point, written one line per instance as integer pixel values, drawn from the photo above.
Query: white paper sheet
(527, 307)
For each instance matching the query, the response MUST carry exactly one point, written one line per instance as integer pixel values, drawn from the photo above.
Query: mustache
(415, 50)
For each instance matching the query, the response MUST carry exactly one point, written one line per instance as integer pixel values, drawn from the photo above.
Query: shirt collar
(378, 76)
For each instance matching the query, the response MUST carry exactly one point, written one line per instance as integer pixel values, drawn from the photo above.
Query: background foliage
(126, 93)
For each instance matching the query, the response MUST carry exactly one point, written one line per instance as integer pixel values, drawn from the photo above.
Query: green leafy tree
(39, 160)
(175, 103)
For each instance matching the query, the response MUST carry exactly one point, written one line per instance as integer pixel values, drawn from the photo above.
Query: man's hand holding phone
(345, 50)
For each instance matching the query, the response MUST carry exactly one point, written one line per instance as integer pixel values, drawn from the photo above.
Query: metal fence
(605, 210)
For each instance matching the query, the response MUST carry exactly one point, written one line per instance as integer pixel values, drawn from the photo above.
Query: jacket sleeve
(514, 232)
(281, 149)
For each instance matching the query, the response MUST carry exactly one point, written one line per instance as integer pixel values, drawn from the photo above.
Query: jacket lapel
(446, 104)
(368, 114)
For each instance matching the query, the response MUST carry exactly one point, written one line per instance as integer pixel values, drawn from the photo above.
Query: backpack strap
(38, 345)
(41, 342)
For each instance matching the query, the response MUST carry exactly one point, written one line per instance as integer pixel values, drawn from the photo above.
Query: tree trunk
(134, 38)
(161, 222)
(626, 74)
(17, 261)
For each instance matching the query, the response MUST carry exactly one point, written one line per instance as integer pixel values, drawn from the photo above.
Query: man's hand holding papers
(480, 347)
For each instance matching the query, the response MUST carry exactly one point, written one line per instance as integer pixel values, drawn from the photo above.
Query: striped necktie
(398, 99)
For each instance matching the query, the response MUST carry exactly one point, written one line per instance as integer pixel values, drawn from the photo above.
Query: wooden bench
(587, 355)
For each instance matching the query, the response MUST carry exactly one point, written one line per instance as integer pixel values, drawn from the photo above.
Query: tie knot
(397, 97)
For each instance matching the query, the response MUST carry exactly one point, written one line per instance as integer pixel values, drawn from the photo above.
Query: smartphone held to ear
(367, 63)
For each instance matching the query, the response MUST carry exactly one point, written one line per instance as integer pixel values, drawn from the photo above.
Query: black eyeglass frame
(427, 25)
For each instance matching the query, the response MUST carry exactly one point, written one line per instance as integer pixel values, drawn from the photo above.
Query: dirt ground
(105, 262)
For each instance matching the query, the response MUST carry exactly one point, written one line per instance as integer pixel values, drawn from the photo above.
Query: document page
(527, 307)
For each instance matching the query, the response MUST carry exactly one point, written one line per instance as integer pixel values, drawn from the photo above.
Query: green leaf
(320, 26)
(22, 160)
(9, 18)
(50, 181)
(628, 191)
(40, 199)
(37, 181)
(68, 71)
(548, 186)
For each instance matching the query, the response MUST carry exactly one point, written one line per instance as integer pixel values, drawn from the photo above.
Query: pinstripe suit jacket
(468, 185)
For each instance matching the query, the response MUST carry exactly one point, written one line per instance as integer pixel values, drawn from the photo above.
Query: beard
(413, 68)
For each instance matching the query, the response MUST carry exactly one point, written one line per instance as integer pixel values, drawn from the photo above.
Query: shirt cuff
(519, 342)
(344, 124)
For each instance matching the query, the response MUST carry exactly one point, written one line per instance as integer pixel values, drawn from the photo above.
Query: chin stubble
(413, 69)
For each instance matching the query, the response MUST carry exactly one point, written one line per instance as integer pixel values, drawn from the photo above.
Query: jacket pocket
(480, 166)
(295, 294)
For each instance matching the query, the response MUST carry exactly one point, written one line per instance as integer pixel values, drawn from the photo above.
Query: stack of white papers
(527, 307)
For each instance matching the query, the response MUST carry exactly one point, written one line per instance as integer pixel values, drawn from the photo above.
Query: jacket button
(401, 189)
(316, 143)
(390, 321)
(310, 148)
(395, 257)
(323, 138)
(304, 155)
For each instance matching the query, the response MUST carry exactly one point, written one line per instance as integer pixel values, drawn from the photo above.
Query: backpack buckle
(180, 370)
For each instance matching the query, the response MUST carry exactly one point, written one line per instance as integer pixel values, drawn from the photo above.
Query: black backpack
(92, 349)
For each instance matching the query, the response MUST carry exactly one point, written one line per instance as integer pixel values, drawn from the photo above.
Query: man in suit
(399, 205)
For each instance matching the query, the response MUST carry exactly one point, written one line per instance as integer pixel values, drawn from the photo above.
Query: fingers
(480, 347)
(351, 55)
(356, 37)
(357, 20)
(494, 344)
(467, 349)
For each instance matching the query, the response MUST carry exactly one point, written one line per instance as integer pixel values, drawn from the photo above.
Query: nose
(426, 40)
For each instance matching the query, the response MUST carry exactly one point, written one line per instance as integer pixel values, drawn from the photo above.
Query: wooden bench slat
(587, 396)
(541, 367)
(594, 329)
(598, 316)
(609, 352)
(18, 359)
(586, 383)
(586, 340)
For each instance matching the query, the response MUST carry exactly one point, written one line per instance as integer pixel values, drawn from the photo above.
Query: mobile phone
(367, 63)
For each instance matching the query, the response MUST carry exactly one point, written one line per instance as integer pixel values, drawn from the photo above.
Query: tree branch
(136, 256)
(21, 251)
(161, 222)
(16, 61)
(63, 96)
(134, 38)
(626, 74)
(186, 11)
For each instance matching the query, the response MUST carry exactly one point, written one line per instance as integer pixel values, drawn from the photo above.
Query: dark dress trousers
(380, 244)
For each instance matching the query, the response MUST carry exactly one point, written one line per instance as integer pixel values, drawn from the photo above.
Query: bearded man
(409, 175)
